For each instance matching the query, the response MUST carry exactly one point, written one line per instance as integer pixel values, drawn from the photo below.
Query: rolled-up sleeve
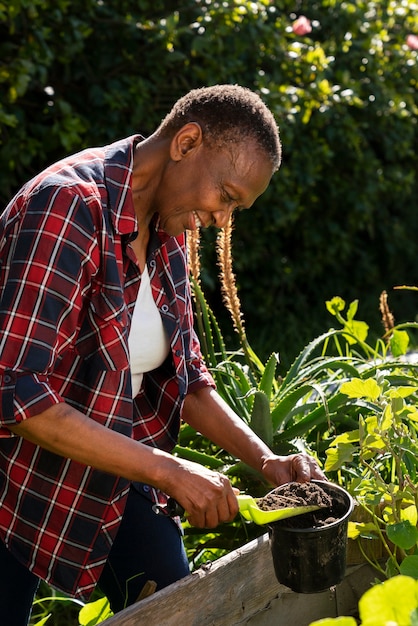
(47, 257)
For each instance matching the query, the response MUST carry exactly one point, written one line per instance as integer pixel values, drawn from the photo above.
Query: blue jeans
(147, 547)
(17, 590)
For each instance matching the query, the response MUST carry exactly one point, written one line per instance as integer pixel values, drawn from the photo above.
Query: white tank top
(148, 341)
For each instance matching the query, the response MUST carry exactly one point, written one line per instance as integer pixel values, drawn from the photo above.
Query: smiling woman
(88, 420)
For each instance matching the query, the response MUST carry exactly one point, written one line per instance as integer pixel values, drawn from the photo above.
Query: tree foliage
(337, 218)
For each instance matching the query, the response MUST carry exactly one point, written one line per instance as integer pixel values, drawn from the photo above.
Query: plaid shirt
(68, 286)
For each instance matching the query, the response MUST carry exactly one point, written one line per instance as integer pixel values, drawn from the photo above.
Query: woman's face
(202, 186)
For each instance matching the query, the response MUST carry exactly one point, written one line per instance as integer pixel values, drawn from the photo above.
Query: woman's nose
(221, 218)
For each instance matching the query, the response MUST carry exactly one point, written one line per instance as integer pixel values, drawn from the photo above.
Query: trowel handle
(174, 509)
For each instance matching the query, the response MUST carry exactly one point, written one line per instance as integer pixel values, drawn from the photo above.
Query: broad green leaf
(93, 613)
(399, 342)
(413, 415)
(349, 437)
(409, 566)
(381, 604)
(361, 529)
(358, 329)
(358, 388)
(402, 392)
(410, 514)
(402, 534)
(337, 456)
(372, 440)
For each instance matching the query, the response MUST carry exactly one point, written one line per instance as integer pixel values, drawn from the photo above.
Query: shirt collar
(118, 165)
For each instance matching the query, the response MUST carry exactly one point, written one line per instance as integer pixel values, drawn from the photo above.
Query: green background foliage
(339, 217)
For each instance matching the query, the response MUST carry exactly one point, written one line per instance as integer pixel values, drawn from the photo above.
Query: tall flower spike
(388, 320)
(227, 277)
(193, 251)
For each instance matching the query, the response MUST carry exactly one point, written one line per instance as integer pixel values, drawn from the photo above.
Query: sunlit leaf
(402, 392)
(93, 613)
(381, 604)
(43, 620)
(337, 456)
(351, 436)
(399, 342)
(358, 388)
(335, 305)
(410, 514)
(358, 329)
(362, 529)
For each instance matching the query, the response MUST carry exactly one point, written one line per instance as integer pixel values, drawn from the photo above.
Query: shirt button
(7, 379)
(178, 352)
(146, 488)
(152, 263)
(164, 308)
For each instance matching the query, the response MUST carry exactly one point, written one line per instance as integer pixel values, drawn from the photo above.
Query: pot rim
(339, 521)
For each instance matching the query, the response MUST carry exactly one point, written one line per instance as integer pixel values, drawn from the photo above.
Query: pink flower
(302, 26)
(412, 42)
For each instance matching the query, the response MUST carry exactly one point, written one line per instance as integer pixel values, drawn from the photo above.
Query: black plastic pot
(312, 559)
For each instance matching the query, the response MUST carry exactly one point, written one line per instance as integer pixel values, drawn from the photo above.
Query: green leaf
(198, 457)
(267, 379)
(402, 534)
(399, 342)
(381, 604)
(358, 329)
(352, 436)
(260, 421)
(369, 530)
(409, 566)
(335, 305)
(337, 456)
(352, 310)
(358, 388)
(43, 620)
(93, 613)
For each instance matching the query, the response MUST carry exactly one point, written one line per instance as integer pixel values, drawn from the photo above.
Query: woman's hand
(299, 468)
(207, 497)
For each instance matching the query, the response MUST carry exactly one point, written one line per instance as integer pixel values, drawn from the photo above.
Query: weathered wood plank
(230, 591)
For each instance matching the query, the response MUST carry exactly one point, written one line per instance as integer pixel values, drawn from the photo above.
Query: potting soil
(300, 494)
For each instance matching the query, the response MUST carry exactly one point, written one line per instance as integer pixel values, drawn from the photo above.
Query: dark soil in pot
(309, 551)
(300, 494)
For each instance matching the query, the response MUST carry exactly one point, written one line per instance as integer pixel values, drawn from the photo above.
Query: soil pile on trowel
(300, 494)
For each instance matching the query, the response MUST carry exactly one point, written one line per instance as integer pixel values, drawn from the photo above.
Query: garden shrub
(339, 216)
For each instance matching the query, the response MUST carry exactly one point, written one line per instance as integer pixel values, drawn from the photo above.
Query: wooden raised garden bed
(241, 588)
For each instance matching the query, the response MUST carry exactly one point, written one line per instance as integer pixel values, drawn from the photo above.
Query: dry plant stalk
(388, 320)
(228, 283)
(193, 251)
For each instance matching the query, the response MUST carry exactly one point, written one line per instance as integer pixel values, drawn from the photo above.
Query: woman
(99, 360)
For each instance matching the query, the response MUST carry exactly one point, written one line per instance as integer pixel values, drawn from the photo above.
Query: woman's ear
(186, 140)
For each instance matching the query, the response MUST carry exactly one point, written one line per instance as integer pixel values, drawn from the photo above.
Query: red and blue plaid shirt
(68, 286)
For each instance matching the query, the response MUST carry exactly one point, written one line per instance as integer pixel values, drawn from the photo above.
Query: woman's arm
(209, 414)
(207, 496)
